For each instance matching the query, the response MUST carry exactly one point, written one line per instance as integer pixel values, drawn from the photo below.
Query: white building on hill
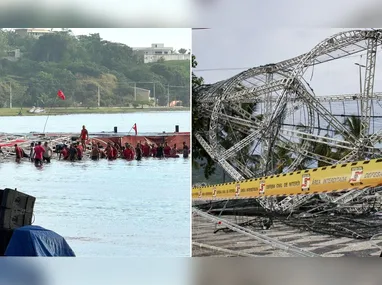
(34, 32)
(159, 51)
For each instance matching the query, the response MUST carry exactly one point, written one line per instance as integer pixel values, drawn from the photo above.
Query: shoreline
(7, 112)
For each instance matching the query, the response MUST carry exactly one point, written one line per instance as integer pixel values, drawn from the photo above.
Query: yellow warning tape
(341, 177)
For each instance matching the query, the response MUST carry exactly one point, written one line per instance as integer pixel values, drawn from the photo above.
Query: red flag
(61, 94)
(135, 129)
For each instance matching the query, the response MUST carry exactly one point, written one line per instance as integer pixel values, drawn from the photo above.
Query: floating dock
(24, 140)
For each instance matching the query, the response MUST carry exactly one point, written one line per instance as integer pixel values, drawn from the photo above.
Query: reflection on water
(110, 208)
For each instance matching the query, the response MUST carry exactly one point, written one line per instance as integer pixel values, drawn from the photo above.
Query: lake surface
(109, 208)
(146, 122)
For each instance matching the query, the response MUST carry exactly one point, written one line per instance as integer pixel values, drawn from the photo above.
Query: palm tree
(319, 148)
(353, 124)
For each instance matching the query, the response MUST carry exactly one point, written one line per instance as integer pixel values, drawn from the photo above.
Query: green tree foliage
(80, 66)
(200, 158)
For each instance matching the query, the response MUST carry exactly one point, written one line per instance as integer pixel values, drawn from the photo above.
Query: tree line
(80, 66)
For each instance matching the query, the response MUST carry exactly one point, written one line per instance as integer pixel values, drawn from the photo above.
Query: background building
(159, 52)
(34, 32)
(142, 95)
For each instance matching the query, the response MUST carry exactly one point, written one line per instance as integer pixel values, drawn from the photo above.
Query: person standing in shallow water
(39, 151)
(146, 150)
(19, 153)
(95, 152)
(167, 150)
(80, 151)
(138, 152)
(72, 152)
(84, 137)
(109, 151)
(47, 153)
(115, 151)
(31, 153)
(159, 152)
(186, 150)
(174, 151)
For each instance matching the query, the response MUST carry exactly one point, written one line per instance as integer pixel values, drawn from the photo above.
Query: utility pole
(360, 81)
(99, 97)
(360, 74)
(168, 95)
(10, 95)
(144, 82)
(155, 98)
(135, 91)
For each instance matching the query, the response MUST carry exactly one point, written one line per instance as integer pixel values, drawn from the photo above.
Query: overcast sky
(176, 38)
(243, 48)
(297, 13)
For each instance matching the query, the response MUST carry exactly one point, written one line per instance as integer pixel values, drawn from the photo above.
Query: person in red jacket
(128, 153)
(19, 153)
(39, 152)
(146, 150)
(167, 150)
(109, 151)
(64, 153)
(114, 151)
(84, 137)
(80, 151)
(125, 153)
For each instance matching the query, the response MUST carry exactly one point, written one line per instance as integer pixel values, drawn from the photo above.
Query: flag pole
(136, 133)
(49, 114)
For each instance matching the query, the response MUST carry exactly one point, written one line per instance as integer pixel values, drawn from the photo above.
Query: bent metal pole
(262, 238)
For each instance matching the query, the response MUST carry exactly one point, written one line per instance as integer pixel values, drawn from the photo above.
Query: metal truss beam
(262, 238)
(377, 96)
(266, 142)
(224, 250)
(371, 58)
(325, 113)
(318, 138)
(323, 53)
(289, 204)
(256, 91)
(241, 144)
(231, 171)
(350, 196)
(224, 95)
(285, 143)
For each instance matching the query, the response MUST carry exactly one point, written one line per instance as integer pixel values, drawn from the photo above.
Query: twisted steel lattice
(281, 89)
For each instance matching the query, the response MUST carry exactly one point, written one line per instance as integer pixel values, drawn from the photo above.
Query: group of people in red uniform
(74, 152)
(129, 152)
(38, 153)
(113, 151)
(42, 153)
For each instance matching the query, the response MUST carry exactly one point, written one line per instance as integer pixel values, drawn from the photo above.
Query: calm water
(146, 122)
(104, 208)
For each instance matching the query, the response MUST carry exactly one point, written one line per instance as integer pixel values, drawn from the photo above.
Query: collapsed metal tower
(229, 107)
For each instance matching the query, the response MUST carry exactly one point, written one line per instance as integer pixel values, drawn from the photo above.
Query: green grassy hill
(80, 66)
